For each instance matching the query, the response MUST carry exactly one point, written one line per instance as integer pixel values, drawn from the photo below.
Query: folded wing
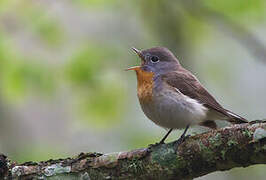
(190, 86)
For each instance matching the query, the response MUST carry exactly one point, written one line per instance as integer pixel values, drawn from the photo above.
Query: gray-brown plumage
(172, 97)
(189, 85)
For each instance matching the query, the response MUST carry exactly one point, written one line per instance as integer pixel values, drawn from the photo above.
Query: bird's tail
(235, 119)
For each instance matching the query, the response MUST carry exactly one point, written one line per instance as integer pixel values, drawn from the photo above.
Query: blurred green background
(63, 88)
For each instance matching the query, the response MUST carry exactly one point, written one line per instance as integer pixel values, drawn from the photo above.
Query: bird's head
(158, 60)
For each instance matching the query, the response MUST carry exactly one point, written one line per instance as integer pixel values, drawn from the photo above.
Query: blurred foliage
(104, 106)
(174, 28)
(96, 3)
(95, 88)
(4, 4)
(241, 10)
(96, 85)
(39, 153)
(20, 77)
(84, 65)
(41, 23)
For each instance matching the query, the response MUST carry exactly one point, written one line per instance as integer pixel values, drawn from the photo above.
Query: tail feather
(236, 119)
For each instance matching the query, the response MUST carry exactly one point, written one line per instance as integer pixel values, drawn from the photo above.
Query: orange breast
(145, 85)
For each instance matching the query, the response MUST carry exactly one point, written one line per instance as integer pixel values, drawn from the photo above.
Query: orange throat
(145, 85)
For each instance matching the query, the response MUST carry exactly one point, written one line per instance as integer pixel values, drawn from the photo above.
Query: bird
(172, 97)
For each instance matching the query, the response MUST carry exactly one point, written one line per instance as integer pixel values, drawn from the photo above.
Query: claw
(150, 146)
(180, 141)
(156, 144)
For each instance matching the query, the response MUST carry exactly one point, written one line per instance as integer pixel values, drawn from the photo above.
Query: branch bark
(223, 149)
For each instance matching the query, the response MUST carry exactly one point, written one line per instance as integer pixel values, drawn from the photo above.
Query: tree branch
(236, 146)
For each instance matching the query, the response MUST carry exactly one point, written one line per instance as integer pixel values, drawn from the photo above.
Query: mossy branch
(236, 146)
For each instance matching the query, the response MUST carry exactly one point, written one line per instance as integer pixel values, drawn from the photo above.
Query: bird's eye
(154, 59)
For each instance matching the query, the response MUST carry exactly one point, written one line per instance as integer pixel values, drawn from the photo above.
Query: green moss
(163, 155)
(216, 140)
(207, 152)
(247, 133)
(136, 166)
(63, 176)
(223, 152)
(84, 176)
(231, 142)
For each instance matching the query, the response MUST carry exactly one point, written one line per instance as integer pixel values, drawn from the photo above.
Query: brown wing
(189, 85)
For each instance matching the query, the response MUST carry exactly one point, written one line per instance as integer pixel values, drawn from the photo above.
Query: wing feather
(190, 86)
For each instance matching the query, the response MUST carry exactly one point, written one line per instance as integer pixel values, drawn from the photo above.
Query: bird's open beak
(135, 68)
(138, 52)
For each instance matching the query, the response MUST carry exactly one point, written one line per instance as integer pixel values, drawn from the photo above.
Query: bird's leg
(182, 137)
(162, 140)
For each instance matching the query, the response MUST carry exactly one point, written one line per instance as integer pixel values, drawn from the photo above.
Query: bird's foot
(180, 141)
(150, 146)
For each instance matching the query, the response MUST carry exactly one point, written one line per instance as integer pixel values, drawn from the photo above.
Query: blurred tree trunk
(237, 146)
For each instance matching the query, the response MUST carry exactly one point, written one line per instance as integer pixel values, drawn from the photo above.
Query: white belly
(172, 109)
